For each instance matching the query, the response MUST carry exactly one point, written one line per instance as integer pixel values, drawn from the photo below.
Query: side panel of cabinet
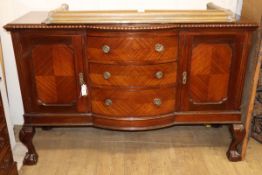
(213, 66)
(49, 66)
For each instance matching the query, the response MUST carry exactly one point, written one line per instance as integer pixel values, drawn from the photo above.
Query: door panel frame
(28, 40)
(238, 41)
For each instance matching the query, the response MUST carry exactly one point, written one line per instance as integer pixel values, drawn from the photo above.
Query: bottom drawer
(133, 103)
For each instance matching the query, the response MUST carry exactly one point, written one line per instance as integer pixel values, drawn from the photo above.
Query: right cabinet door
(212, 70)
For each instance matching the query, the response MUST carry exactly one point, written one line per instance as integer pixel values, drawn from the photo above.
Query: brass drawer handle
(106, 49)
(157, 101)
(107, 75)
(159, 47)
(184, 78)
(108, 102)
(159, 74)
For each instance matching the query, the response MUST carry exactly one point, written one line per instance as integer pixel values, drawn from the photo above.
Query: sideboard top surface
(34, 20)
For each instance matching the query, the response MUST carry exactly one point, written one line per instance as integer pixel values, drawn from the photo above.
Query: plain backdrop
(12, 9)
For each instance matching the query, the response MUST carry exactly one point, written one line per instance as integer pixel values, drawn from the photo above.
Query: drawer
(133, 75)
(133, 103)
(6, 163)
(132, 48)
(4, 140)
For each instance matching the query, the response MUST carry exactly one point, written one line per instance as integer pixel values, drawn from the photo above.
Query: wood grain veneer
(132, 47)
(128, 103)
(133, 75)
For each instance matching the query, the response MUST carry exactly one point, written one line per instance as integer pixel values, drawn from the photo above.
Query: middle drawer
(133, 75)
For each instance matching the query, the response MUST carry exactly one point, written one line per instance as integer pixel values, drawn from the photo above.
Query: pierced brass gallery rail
(213, 13)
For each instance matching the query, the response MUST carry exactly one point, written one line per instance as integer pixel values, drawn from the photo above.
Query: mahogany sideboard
(131, 76)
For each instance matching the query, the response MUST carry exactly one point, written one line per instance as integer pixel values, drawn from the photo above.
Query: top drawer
(132, 47)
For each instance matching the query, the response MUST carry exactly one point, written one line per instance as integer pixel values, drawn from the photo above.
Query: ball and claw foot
(26, 135)
(234, 156)
(238, 134)
(30, 159)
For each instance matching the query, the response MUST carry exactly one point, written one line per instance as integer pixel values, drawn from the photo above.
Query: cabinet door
(213, 68)
(51, 69)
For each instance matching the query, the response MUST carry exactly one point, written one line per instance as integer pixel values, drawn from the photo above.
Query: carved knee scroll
(26, 135)
(234, 150)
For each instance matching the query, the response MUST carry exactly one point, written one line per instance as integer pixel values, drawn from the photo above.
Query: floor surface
(180, 150)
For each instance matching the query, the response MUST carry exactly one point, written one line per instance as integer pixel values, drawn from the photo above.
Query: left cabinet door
(51, 71)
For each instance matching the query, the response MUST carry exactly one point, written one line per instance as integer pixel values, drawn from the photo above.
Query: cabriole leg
(26, 135)
(238, 133)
